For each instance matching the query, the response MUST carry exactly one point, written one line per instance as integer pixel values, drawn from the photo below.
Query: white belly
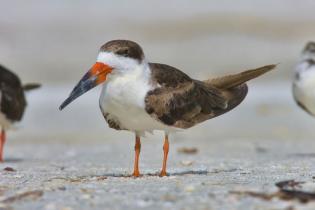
(304, 90)
(123, 98)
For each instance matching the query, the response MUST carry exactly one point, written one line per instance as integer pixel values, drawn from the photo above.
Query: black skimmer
(141, 97)
(304, 80)
(12, 102)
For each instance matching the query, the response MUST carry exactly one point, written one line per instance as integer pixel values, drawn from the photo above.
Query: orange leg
(2, 141)
(165, 149)
(136, 172)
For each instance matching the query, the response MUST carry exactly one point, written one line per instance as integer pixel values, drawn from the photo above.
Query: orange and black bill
(95, 76)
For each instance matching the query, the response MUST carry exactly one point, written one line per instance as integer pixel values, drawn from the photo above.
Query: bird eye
(123, 52)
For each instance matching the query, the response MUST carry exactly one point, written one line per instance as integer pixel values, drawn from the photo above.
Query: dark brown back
(182, 102)
(13, 100)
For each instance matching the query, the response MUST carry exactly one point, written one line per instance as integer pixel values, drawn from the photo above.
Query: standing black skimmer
(141, 97)
(304, 80)
(12, 102)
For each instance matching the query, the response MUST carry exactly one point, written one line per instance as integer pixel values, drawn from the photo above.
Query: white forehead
(116, 61)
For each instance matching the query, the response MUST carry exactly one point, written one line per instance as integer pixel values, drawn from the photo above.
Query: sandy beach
(76, 162)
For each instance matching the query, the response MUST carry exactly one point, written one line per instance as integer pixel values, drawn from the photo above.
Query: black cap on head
(124, 48)
(310, 47)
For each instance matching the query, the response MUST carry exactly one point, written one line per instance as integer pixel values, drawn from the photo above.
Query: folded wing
(182, 102)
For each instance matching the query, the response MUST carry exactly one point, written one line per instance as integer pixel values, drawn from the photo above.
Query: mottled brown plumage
(183, 102)
(112, 122)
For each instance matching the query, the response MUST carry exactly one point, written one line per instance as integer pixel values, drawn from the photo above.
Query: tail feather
(31, 86)
(235, 80)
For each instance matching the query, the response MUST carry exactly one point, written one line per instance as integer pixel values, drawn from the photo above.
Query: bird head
(114, 57)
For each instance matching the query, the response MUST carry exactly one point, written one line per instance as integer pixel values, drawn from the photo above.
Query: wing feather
(180, 98)
(12, 97)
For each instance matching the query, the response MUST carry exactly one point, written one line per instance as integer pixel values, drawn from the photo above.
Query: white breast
(304, 87)
(123, 98)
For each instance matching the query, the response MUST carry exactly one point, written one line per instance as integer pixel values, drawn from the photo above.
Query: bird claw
(136, 174)
(163, 173)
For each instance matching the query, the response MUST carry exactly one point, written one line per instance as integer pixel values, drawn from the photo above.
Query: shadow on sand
(180, 173)
(303, 155)
(144, 175)
(12, 160)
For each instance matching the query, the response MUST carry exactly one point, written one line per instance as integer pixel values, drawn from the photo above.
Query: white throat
(128, 76)
(123, 94)
(129, 85)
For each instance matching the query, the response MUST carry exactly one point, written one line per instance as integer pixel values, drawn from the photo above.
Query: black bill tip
(65, 103)
(84, 85)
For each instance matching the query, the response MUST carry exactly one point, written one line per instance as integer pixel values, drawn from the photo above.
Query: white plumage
(123, 94)
(304, 83)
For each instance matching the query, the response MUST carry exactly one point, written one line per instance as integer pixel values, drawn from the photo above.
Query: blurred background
(55, 42)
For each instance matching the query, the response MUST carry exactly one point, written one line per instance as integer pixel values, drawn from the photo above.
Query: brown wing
(181, 101)
(235, 80)
(12, 97)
